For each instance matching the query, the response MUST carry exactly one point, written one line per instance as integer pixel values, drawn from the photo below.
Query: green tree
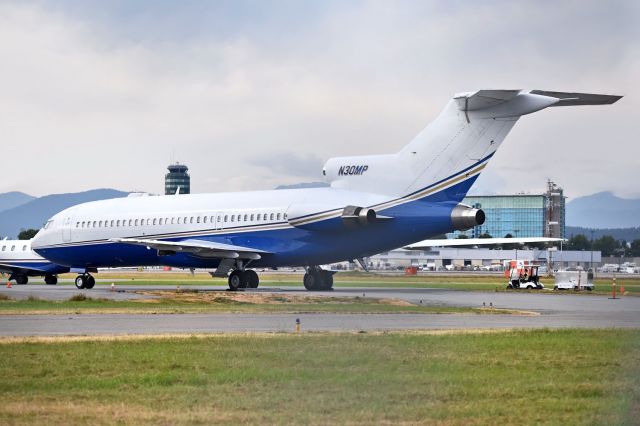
(578, 242)
(635, 248)
(485, 235)
(462, 237)
(27, 234)
(606, 244)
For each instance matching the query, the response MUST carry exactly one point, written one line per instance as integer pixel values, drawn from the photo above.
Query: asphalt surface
(554, 310)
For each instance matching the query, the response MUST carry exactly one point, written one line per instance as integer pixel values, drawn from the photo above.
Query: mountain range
(604, 211)
(34, 212)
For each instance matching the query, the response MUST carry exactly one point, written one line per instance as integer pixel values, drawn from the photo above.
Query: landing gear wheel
(310, 281)
(253, 280)
(22, 279)
(50, 279)
(90, 282)
(237, 279)
(81, 282)
(317, 279)
(327, 280)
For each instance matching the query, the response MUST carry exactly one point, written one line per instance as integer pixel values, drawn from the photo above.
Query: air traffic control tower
(178, 177)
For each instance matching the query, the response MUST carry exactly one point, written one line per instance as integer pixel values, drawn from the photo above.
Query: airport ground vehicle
(523, 275)
(574, 280)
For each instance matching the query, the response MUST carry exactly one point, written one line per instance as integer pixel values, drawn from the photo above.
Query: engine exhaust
(464, 217)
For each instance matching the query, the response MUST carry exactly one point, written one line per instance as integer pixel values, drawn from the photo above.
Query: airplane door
(66, 229)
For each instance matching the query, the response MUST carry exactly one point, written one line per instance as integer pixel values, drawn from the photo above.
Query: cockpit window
(48, 224)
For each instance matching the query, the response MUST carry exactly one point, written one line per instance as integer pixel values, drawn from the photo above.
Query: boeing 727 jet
(375, 203)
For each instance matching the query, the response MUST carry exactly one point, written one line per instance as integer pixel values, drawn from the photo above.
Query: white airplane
(375, 203)
(21, 262)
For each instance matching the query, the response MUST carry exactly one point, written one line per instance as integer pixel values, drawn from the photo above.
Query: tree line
(606, 244)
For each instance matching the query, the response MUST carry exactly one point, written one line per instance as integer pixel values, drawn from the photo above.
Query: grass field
(517, 377)
(479, 282)
(186, 301)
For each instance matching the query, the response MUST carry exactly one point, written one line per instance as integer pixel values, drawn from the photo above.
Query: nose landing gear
(85, 281)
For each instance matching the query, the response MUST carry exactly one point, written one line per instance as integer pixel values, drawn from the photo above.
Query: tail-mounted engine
(353, 215)
(464, 217)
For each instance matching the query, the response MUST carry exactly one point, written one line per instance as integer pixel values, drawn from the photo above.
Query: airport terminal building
(521, 215)
(476, 258)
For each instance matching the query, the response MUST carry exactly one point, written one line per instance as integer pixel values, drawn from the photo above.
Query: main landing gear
(51, 279)
(247, 278)
(85, 281)
(21, 279)
(316, 279)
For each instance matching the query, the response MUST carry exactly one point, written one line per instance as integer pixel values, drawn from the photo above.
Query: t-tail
(445, 159)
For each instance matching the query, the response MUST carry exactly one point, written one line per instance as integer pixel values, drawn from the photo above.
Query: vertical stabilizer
(453, 149)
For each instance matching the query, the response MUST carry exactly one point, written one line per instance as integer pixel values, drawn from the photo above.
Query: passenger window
(225, 217)
(136, 222)
(233, 216)
(246, 217)
(95, 224)
(160, 221)
(172, 220)
(191, 219)
(77, 224)
(112, 223)
(100, 224)
(198, 219)
(185, 221)
(285, 216)
(82, 225)
(24, 248)
(251, 218)
(13, 248)
(212, 219)
(204, 219)
(258, 216)
(154, 221)
(271, 217)
(4, 248)
(278, 216)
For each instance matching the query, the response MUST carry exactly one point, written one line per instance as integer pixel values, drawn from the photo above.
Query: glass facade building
(178, 177)
(518, 215)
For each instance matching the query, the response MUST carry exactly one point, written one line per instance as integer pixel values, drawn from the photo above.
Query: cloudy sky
(253, 94)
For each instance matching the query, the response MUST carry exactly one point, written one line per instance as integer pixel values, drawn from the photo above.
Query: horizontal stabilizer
(571, 99)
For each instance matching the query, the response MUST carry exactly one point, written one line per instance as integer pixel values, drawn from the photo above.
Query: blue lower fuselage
(321, 242)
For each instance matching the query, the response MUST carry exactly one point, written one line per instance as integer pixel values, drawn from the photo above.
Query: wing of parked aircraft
(17, 267)
(479, 242)
(200, 248)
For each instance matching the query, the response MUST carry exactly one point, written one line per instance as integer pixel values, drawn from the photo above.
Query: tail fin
(452, 150)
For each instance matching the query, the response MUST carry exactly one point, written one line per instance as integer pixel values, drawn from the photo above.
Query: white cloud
(84, 106)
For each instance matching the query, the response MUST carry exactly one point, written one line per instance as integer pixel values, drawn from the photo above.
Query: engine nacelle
(359, 215)
(464, 217)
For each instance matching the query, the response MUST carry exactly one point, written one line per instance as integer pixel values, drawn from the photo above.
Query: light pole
(591, 247)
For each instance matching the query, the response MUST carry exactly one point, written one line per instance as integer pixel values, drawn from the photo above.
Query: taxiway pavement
(554, 310)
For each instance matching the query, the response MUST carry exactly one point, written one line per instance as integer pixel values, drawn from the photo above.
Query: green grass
(356, 279)
(81, 304)
(520, 377)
